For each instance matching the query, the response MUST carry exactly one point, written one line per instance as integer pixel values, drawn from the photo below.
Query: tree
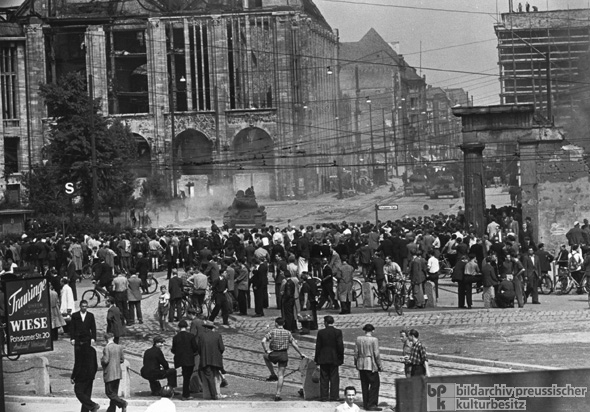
(69, 152)
(46, 196)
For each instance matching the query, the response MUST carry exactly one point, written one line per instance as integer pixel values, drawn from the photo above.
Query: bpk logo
(440, 397)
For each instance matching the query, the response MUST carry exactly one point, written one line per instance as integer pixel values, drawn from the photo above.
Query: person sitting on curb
(155, 367)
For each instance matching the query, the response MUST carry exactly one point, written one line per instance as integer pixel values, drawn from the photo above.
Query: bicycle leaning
(393, 293)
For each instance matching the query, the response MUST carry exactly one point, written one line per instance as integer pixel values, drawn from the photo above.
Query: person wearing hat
(368, 362)
(210, 348)
(155, 367)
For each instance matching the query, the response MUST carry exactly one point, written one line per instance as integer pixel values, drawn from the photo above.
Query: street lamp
(372, 142)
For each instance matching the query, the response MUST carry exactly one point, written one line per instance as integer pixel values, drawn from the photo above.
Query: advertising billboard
(28, 316)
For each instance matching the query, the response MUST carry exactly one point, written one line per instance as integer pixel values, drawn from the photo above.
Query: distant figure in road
(368, 362)
(83, 374)
(112, 358)
(329, 355)
(349, 397)
(155, 367)
(278, 341)
(418, 358)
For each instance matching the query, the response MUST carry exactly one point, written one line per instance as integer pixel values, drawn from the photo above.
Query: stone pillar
(96, 64)
(35, 55)
(528, 184)
(475, 203)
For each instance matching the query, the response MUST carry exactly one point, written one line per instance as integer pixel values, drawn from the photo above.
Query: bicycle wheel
(398, 303)
(184, 306)
(357, 292)
(586, 285)
(386, 299)
(92, 297)
(566, 285)
(546, 285)
(152, 283)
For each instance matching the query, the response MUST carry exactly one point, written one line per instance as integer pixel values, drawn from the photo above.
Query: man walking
(114, 320)
(329, 355)
(155, 367)
(219, 289)
(112, 358)
(82, 326)
(184, 348)
(85, 368)
(368, 363)
(418, 359)
(276, 344)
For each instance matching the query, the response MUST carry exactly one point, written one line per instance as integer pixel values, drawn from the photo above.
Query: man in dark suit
(155, 367)
(327, 293)
(85, 367)
(82, 326)
(532, 274)
(114, 320)
(184, 348)
(176, 295)
(172, 257)
(259, 281)
(210, 347)
(329, 354)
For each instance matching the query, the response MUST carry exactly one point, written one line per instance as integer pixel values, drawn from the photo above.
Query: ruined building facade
(225, 94)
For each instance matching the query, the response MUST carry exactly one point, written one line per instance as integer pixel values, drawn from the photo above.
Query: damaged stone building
(223, 94)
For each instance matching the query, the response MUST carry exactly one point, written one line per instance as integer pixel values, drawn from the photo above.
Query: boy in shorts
(278, 340)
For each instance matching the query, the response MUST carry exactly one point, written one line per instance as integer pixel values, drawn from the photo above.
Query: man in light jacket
(368, 363)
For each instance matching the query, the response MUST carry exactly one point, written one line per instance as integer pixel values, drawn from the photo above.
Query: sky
(460, 39)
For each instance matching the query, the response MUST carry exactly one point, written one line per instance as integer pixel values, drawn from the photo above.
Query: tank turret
(245, 211)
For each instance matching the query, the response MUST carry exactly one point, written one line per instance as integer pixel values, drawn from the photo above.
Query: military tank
(244, 211)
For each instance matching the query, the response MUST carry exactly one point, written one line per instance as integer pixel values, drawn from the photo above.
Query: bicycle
(152, 283)
(567, 282)
(93, 296)
(546, 284)
(445, 267)
(4, 345)
(385, 296)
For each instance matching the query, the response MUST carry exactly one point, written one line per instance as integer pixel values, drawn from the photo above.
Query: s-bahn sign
(28, 316)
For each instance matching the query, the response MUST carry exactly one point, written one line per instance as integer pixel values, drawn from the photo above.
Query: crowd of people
(234, 264)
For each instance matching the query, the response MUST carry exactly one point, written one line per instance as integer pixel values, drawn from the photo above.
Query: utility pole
(172, 98)
(93, 148)
(372, 139)
(549, 102)
(385, 149)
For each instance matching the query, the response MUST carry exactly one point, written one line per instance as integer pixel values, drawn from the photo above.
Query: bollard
(125, 384)
(42, 383)
(311, 389)
(368, 299)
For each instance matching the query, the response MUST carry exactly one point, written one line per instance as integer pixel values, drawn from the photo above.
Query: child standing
(163, 306)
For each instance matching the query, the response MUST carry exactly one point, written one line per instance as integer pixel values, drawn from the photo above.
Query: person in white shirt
(349, 397)
(433, 266)
(164, 404)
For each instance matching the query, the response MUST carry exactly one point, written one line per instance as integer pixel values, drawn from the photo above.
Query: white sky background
(437, 30)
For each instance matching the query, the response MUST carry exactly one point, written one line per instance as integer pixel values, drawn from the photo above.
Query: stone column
(475, 202)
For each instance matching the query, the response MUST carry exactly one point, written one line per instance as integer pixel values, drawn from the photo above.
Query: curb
(454, 359)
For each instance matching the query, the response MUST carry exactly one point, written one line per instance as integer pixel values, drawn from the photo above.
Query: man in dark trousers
(532, 274)
(112, 358)
(82, 326)
(176, 295)
(155, 367)
(184, 348)
(142, 268)
(329, 355)
(327, 294)
(210, 347)
(85, 368)
(172, 257)
(259, 281)
(219, 289)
